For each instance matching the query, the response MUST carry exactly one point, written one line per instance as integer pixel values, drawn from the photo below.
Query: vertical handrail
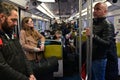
(80, 40)
(19, 19)
(89, 41)
(91, 32)
(87, 54)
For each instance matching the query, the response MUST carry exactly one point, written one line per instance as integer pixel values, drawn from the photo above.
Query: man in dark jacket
(13, 63)
(103, 35)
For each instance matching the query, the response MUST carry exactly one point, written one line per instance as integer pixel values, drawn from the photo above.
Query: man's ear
(1, 14)
(2, 17)
(105, 12)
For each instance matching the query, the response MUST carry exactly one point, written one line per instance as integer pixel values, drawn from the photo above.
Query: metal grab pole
(80, 40)
(91, 29)
(89, 41)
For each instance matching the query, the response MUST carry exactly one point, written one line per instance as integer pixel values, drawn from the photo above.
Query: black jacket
(13, 64)
(103, 35)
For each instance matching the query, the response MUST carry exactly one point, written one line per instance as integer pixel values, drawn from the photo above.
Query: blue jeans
(98, 69)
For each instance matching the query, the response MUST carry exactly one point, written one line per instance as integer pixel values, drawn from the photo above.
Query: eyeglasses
(14, 20)
(30, 22)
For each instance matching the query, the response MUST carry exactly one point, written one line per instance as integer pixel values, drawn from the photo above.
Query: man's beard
(6, 28)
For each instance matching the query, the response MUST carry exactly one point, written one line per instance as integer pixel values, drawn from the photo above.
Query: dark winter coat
(103, 35)
(13, 63)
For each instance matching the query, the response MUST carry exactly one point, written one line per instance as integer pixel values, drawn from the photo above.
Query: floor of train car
(69, 73)
(70, 68)
(73, 77)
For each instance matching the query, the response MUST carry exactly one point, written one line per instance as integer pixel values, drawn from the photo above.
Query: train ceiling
(66, 8)
(62, 9)
(59, 8)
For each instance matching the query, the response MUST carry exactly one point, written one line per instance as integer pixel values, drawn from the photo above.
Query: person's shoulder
(109, 23)
(22, 31)
(36, 30)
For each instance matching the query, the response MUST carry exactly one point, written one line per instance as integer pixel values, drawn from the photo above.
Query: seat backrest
(53, 48)
(118, 49)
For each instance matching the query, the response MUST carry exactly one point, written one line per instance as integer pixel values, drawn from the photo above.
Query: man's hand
(87, 31)
(32, 77)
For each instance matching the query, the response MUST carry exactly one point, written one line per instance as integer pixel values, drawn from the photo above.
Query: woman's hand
(42, 47)
(37, 49)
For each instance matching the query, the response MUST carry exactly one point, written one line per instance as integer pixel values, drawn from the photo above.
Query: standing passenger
(13, 63)
(55, 25)
(103, 35)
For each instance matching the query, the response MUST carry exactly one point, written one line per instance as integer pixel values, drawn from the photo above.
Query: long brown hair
(28, 30)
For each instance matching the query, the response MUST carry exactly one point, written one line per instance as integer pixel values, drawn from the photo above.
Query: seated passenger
(29, 38)
(58, 35)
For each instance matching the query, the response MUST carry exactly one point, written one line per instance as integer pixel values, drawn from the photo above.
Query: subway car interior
(50, 16)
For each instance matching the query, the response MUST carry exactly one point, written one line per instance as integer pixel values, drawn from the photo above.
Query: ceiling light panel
(46, 0)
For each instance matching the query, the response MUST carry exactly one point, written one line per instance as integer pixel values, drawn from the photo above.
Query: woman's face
(30, 23)
(58, 35)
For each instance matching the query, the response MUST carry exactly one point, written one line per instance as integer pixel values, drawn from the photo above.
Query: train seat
(118, 49)
(54, 48)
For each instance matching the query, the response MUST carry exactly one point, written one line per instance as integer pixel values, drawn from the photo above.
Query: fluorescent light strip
(46, 0)
(38, 17)
(108, 3)
(45, 7)
(44, 11)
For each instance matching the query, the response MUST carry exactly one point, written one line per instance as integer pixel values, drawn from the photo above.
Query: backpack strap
(1, 42)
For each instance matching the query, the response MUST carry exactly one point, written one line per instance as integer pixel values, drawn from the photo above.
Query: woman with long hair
(29, 38)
